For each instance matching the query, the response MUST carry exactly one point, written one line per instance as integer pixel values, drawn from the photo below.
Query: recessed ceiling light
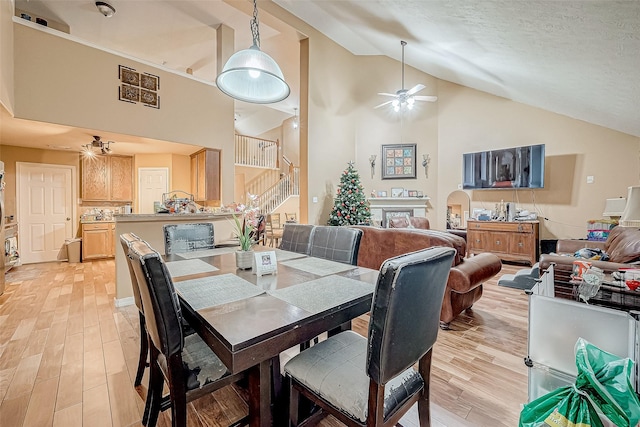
(105, 8)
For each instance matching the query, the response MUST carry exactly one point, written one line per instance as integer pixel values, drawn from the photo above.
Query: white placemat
(207, 252)
(216, 290)
(318, 266)
(322, 294)
(189, 266)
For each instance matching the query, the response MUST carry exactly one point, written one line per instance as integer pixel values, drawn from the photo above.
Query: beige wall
(53, 85)
(470, 120)
(6, 55)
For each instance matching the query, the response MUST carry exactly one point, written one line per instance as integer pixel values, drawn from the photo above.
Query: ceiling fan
(403, 97)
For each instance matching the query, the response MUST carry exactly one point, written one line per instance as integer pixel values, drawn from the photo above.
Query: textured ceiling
(577, 58)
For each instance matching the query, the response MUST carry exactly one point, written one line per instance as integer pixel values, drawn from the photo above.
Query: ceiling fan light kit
(87, 149)
(403, 98)
(106, 9)
(251, 75)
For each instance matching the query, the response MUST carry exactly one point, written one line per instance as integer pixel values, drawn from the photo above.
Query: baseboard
(123, 302)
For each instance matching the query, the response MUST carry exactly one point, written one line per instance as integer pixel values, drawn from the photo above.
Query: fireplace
(383, 208)
(393, 213)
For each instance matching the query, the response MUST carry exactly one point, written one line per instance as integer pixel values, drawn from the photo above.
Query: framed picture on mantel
(399, 161)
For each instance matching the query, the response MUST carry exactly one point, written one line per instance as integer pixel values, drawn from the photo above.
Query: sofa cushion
(623, 244)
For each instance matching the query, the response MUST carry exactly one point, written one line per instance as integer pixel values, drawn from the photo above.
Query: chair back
(409, 222)
(162, 308)
(273, 221)
(188, 237)
(259, 231)
(296, 238)
(126, 240)
(405, 313)
(339, 244)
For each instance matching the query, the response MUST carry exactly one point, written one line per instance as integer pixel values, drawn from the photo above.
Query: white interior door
(46, 211)
(152, 182)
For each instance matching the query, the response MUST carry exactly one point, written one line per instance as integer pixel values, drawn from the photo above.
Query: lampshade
(631, 215)
(614, 207)
(251, 75)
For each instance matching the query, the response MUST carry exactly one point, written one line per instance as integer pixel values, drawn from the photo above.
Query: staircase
(271, 186)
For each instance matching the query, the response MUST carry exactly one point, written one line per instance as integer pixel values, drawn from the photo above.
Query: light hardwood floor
(68, 356)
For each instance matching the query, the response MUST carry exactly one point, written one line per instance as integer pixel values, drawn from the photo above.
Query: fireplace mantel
(384, 207)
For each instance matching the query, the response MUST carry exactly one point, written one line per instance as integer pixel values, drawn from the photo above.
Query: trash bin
(73, 249)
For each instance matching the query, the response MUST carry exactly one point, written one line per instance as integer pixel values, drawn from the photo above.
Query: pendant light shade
(251, 75)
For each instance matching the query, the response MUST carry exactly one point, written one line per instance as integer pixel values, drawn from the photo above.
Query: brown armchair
(464, 286)
(404, 222)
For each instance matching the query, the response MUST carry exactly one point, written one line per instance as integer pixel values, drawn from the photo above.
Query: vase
(244, 259)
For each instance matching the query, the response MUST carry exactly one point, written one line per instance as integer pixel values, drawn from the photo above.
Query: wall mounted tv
(520, 167)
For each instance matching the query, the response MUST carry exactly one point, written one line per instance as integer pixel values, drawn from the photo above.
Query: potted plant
(244, 256)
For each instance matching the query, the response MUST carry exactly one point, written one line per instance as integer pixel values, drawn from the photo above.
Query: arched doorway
(458, 205)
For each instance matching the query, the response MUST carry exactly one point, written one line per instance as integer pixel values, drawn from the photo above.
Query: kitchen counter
(96, 221)
(150, 228)
(170, 217)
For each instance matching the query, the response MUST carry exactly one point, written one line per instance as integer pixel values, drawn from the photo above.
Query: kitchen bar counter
(149, 228)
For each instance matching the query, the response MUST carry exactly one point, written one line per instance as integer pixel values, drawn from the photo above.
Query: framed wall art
(399, 161)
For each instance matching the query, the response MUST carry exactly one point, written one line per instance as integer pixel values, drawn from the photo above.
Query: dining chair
(274, 229)
(371, 381)
(186, 363)
(126, 240)
(179, 238)
(296, 238)
(339, 244)
(291, 217)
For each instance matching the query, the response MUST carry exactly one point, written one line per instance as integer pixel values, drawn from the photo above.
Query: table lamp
(631, 215)
(614, 208)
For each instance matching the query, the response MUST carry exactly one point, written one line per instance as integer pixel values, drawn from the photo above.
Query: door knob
(68, 219)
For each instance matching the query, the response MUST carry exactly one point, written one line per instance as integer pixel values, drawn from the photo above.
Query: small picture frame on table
(382, 194)
(413, 193)
(397, 192)
(265, 263)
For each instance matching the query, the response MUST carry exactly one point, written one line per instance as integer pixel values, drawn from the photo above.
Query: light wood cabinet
(205, 175)
(107, 178)
(510, 241)
(98, 240)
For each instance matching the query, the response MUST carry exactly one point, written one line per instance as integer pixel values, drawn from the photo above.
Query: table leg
(260, 395)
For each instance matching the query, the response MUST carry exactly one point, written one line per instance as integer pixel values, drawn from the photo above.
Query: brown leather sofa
(622, 246)
(464, 286)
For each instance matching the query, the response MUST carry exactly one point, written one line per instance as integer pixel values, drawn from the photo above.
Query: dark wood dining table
(306, 297)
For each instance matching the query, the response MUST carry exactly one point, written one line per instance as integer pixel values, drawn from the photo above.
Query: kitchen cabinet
(205, 175)
(98, 240)
(107, 178)
(510, 241)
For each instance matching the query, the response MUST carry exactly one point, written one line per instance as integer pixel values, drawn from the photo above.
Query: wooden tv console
(510, 241)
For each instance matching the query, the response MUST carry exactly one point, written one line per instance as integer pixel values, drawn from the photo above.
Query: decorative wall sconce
(372, 162)
(425, 164)
(295, 118)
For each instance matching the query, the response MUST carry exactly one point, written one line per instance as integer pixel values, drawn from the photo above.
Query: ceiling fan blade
(426, 98)
(415, 89)
(386, 94)
(382, 105)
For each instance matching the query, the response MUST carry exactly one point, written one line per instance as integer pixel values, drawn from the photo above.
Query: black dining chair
(296, 238)
(126, 240)
(186, 363)
(339, 244)
(180, 238)
(371, 381)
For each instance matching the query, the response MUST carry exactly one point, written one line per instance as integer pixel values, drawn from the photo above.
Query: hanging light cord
(255, 31)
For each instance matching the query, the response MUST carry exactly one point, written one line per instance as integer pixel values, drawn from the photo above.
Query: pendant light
(251, 75)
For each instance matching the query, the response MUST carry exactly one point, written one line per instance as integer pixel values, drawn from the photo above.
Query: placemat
(319, 266)
(322, 294)
(216, 290)
(207, 252)
(189, 266)
(285, 255)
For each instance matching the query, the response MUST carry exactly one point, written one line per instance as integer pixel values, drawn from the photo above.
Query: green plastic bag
(602, 395)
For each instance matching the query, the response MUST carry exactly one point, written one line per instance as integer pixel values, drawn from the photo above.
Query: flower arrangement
(245, 226)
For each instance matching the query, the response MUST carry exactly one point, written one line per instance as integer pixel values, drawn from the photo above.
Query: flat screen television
(520, 167)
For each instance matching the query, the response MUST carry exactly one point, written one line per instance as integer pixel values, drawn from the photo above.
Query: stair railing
(258, 152)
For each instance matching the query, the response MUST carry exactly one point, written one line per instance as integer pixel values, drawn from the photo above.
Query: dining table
(248, 319)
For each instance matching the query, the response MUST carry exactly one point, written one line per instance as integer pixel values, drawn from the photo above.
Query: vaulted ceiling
(576, 58)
